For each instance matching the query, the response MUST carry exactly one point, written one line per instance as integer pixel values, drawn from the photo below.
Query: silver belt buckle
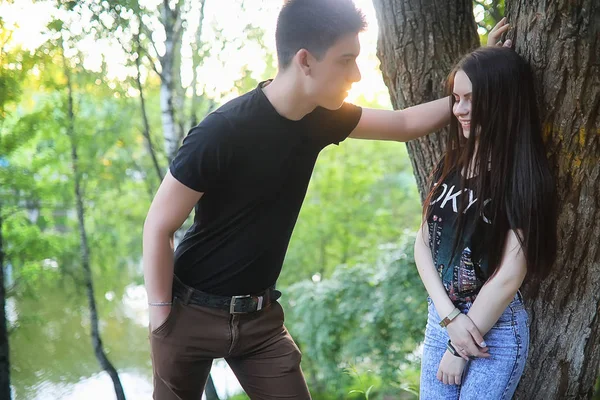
(232, 304)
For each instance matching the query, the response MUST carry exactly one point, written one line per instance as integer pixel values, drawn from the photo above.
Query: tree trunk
(84, 249)
(561, 41)
(419, 42)
(146, 131)
(197, 58)
(4, 349)
(172, 23)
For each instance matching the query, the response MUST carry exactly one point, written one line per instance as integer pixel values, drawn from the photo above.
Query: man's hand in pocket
(158, 316)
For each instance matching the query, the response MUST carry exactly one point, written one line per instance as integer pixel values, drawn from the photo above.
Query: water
(50, 347)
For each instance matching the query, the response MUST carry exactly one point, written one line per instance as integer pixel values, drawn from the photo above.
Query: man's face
(331, 78)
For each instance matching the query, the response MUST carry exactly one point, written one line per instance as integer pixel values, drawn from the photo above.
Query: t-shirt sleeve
(204, 158)
(336, 125)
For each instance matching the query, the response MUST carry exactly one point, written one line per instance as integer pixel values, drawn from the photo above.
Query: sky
(28, 21)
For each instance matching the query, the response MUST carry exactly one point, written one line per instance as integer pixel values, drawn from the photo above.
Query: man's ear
(304, 60)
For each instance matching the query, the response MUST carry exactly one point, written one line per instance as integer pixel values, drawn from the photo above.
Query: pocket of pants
(169, 321)
(509, 317)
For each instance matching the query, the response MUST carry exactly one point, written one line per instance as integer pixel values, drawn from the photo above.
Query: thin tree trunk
(171, 94)
(138, 79)
(168, 116)
(84, 249)
(561, 41)
(146, 131)
(179, 92)
(197, 58)
(172, 22)
(419, 42)
(4, 349)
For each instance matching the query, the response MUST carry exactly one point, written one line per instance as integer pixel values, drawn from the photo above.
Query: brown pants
(257, 347)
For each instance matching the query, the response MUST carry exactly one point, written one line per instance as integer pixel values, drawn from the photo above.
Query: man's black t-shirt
(253, 166)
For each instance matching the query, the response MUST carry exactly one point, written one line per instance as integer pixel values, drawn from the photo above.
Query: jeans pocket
(162, 329)
(514, 311)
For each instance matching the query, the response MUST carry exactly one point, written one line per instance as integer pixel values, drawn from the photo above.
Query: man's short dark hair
(314, 25)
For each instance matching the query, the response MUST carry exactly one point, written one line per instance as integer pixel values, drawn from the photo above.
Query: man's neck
(286, 96)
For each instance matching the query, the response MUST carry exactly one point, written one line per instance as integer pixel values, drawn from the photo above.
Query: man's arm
(170, 208)
(403, 125)
(419, 120)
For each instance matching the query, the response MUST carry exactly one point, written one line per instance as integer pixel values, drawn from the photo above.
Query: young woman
(489, 221)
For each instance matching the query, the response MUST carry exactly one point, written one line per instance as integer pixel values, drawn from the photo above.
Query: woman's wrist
(443, 305)
(450, 317)
(452, 350)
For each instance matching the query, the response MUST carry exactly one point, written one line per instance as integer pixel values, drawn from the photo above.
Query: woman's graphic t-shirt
(464, 272)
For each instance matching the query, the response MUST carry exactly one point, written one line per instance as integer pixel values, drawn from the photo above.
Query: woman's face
(462, 101)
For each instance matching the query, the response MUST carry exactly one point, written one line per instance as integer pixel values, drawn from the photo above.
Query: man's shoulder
(243, 106)
(345, 111)
(230, 120)
(229, 109)
(343, 119)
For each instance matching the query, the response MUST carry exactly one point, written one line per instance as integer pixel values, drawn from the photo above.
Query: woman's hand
(466, 338)
(495, 35)
(451, 369)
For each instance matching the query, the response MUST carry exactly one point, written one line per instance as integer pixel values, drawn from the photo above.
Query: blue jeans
(493, 378)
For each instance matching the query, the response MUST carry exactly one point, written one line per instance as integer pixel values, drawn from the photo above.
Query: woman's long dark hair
(506, 138)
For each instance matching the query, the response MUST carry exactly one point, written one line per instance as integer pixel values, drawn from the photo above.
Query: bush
(370, 317)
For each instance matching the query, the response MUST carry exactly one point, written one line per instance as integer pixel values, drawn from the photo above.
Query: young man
(245, 168)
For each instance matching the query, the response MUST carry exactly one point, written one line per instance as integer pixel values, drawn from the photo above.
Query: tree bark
(84, 248)
(561, 41)
(419, 42)
(4, 349)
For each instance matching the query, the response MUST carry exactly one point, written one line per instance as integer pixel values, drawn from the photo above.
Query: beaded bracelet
(161, 304)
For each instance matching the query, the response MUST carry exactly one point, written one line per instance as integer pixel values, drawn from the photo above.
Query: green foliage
(38, 209)
(372, 316)
(363, 382)
(361, 196)
(487, 14)
(247, 80)
(15, 64)
(241, 396)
